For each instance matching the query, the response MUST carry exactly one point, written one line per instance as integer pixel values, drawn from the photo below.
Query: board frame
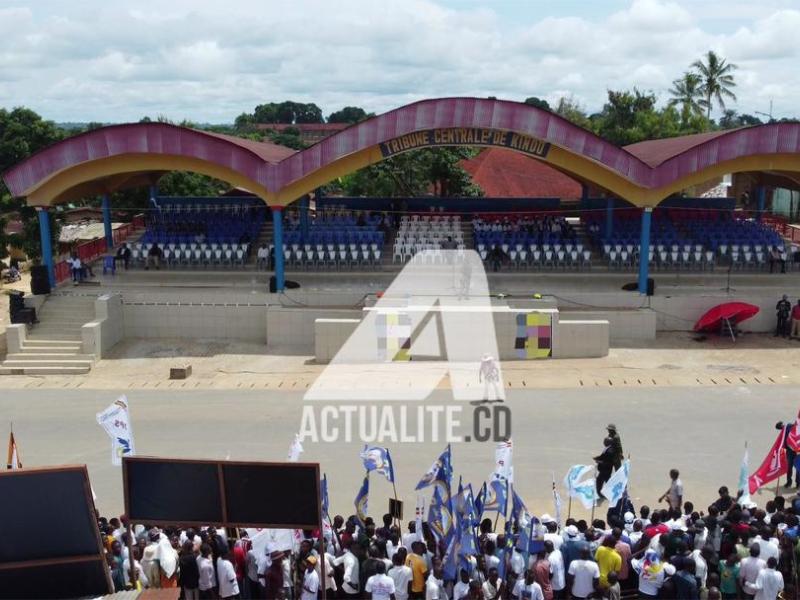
(89, 504)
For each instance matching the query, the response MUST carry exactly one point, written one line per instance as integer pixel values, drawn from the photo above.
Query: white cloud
(209, 61)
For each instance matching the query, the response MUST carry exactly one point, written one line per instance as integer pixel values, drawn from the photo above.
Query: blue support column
(584, 196)
(107, 222)
(47, 247)
(277, 240)
(761, 197)
(609, 218)
(304, 201)
(644, 251)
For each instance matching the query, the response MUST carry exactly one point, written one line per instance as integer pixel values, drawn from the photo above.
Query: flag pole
(131, 561)
(394, 488)
(569, 508)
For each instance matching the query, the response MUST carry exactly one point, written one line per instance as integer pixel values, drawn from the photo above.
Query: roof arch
(643, 173)
(140, 148)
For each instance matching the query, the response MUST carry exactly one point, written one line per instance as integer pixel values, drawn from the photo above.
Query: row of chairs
(546, 259)
(568, 247)
(309, 258)
(205, 257)
(405, 252)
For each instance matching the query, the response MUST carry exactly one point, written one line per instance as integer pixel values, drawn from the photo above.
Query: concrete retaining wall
(15, 337)
(170, 318)
(330, 335)
(625, 324)
(293, 329)
(107, 330)
(581, 339)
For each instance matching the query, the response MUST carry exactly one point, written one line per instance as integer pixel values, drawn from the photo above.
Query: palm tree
(716, 75)
(686, 92)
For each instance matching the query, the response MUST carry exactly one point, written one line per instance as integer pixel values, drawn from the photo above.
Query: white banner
(115, 420)
(504, 462)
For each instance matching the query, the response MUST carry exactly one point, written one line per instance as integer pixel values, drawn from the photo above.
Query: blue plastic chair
(109, 264)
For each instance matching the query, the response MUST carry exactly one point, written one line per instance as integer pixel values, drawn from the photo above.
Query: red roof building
(502, 173)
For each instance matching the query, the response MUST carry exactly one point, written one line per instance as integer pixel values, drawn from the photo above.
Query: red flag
(774, 465)
(14, 461)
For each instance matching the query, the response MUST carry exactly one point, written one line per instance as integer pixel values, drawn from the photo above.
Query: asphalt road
(701, 431)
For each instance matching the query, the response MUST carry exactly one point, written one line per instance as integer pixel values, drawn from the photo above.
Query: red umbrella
(735, 312)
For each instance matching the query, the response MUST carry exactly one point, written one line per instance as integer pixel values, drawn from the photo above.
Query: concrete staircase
(54, 345)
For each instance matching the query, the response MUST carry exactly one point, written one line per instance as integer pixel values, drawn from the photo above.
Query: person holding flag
(791, 444)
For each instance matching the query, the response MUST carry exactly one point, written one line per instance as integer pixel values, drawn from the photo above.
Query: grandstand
(224, 232)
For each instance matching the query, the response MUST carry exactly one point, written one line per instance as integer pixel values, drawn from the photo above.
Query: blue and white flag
(574, 476)
(379, 460)
(744, 480)
(441, 470)
(497, 496)
(440, 518)
(361, 501)
(586, 493)
(614, 488)
(115, 420)
(480, 500)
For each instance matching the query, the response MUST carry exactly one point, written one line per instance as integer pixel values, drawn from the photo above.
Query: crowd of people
(728, 550)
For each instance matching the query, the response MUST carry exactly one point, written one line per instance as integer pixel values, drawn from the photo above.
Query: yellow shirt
(608, 560)
(418, 568)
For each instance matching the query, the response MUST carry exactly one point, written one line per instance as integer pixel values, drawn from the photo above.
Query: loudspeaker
(40, 280)
(651, 286)
(287, 284)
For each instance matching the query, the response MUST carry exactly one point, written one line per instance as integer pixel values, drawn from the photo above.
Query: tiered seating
(687, 240)
(418, 233)
(336, 238)
(524, 241)
(213, 232)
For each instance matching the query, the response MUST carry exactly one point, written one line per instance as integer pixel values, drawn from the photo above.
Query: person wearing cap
(572, 546)
(310, 579)
(616, 445)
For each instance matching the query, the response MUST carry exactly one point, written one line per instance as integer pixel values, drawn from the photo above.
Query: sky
(208, 61)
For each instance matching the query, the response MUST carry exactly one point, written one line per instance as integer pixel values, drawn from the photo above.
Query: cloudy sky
(210, 60)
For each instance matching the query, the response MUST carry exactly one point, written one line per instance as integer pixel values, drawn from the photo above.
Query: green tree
(414, 173)
(686, 93)
(23, 132)
(717, 81)
(288, 112)
(730, 119)
(538, 103)
(349, 114)
(572, 111)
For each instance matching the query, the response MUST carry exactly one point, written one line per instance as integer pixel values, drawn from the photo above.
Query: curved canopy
(643, 173)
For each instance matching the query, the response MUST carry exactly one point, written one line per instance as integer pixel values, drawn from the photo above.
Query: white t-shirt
(330, 581)
(769, 548)
(525, 591)
(310, 582)
(490, 561)
(557, 575)
(650, 583)
(460, 590)
(768, 584)
(555, 538)
(401, 576)
(584, 572)
(350, 583)
(675, 493)
(490, 588)
(434, 589)
(228, 586)
(749, 568)
(205, 567)
(381, 586)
